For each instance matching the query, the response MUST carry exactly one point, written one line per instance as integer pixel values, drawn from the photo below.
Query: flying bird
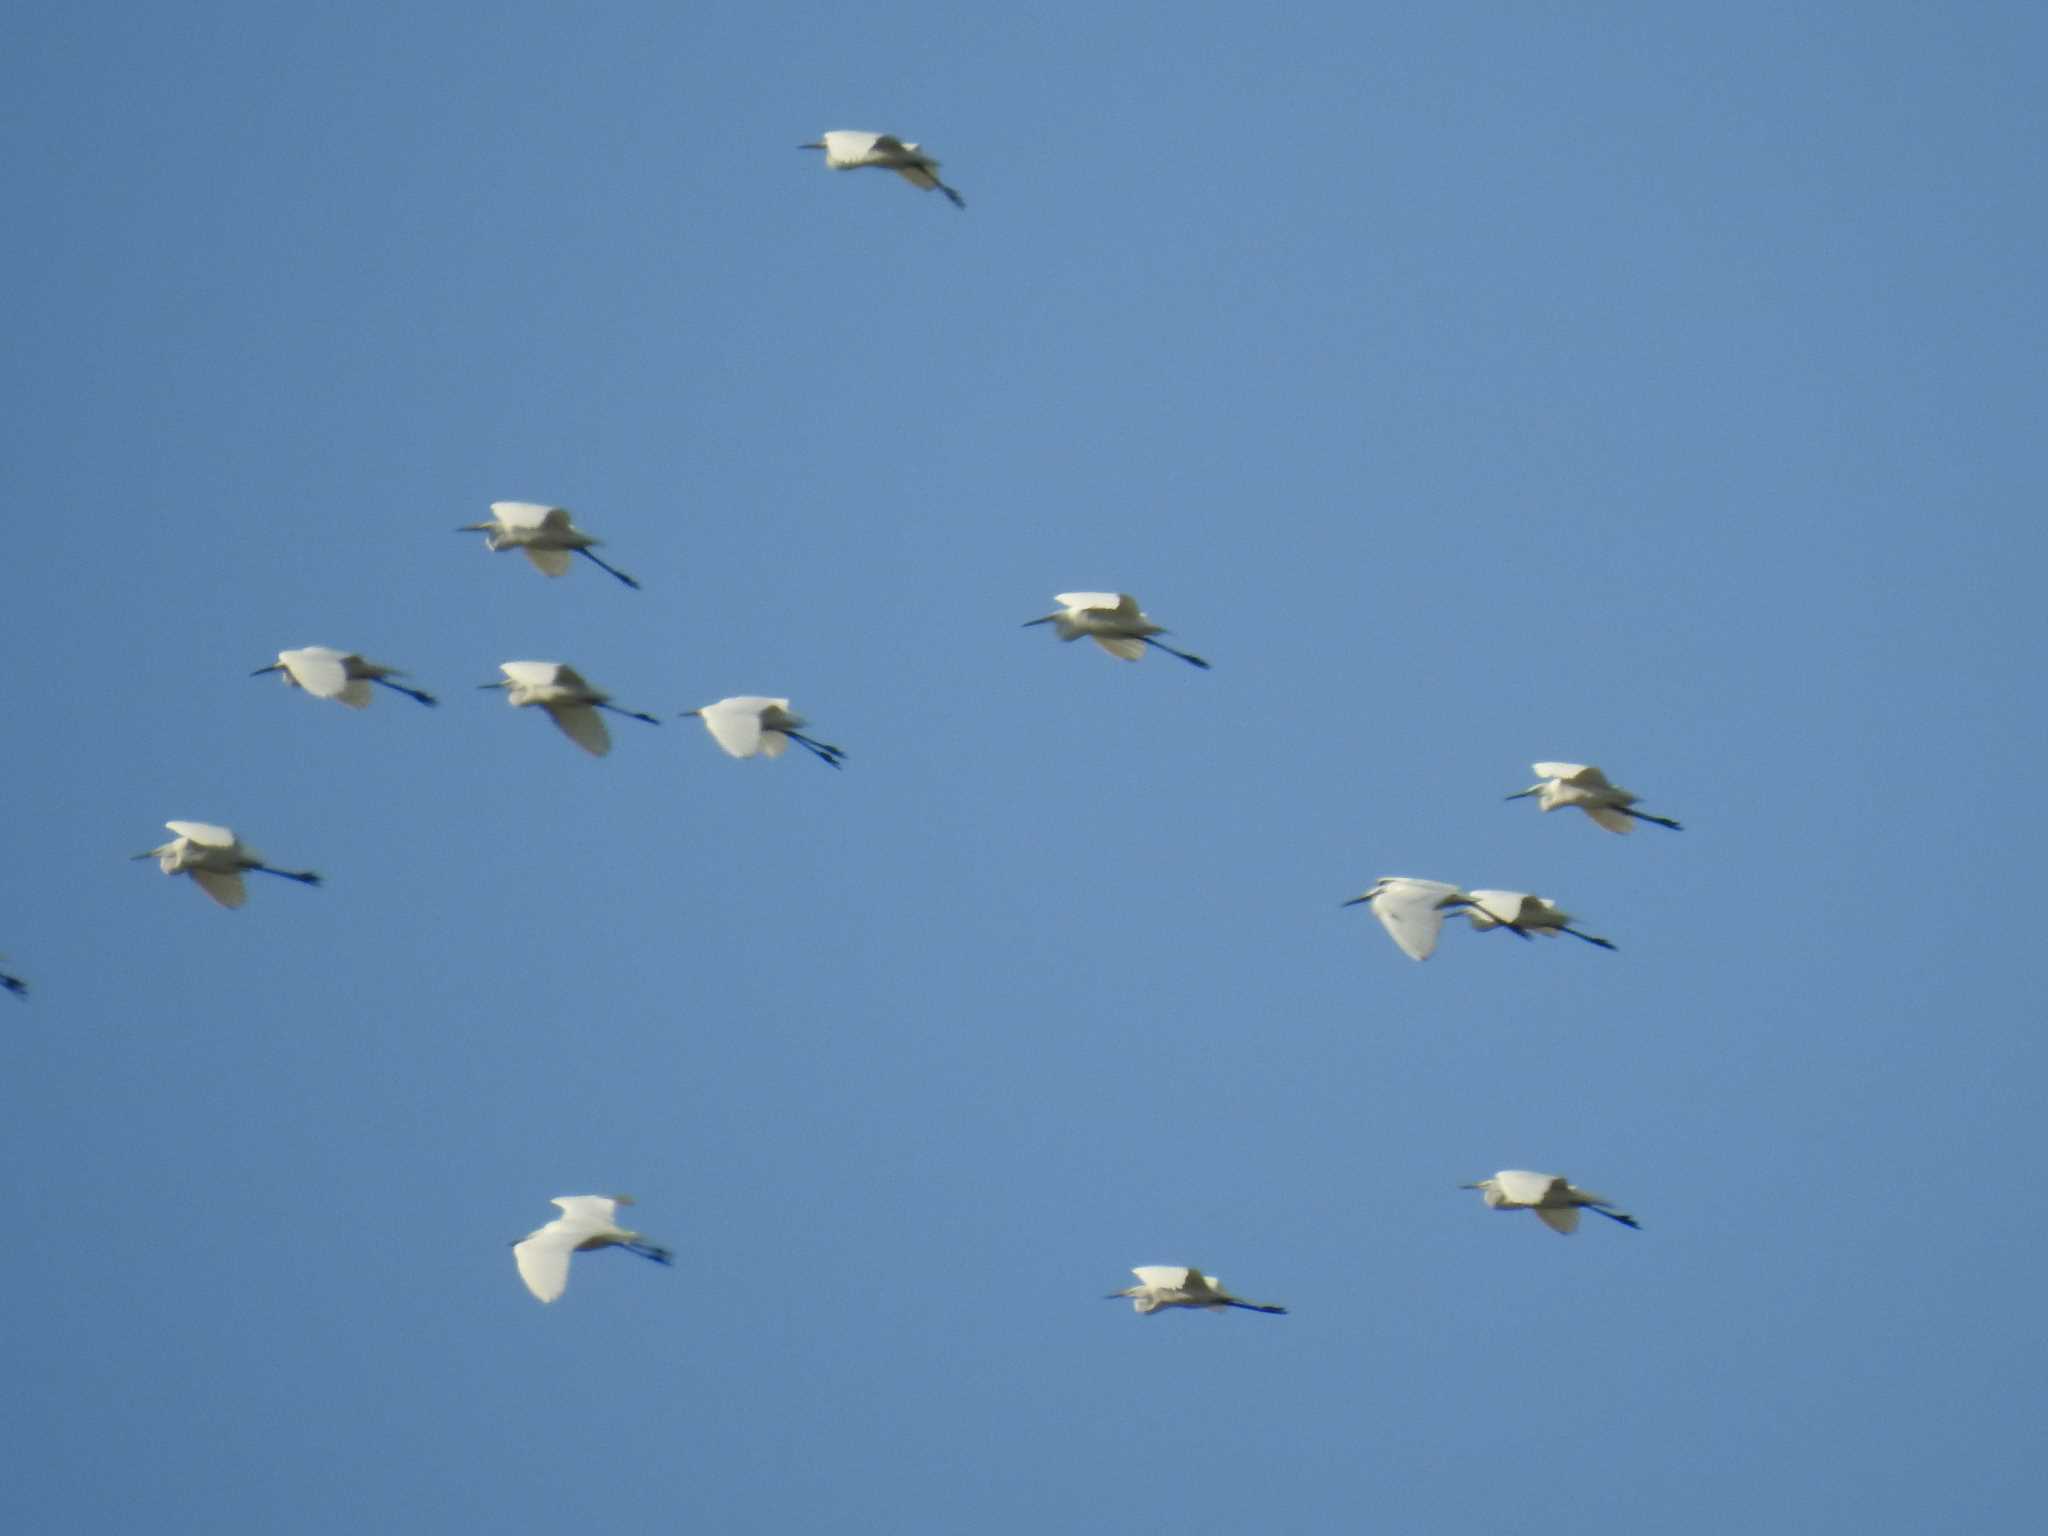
(326, 673)
(1112, 621)
(1586, 787)
(586, 1222)
(216, 860)
(1166, 1285)
(570, 702)
(1522, 915)
(544, 533)
(1556, 1203)
(747, 726)
(1412, 911)
(848, 150)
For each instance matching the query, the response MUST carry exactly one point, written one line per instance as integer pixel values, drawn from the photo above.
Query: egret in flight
(1166, 1285)
(1586, 787)
(545, 533)
(1556, 1203)
(1112, 621)
(1522, 915)
(1412, 911)
(570, 702)
(747, 726)
(327, 673)
(848, 150)
(586, 1222)
(216, 860)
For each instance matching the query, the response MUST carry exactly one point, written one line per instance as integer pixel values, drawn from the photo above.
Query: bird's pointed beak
(1521, 793)
(498, 684)
(1354, 901)
(275, 666)
(133, 857)
(1046, 620)
(476, 527)
(818, 145)
(689, 712)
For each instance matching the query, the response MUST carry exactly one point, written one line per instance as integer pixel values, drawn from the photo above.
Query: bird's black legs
(1621, 1216)
(630, 714)
(824, 753)
(303, 876)
(410, 693)
(1662, 821)
(594, 560)
(1603, 943)
(1187, 656)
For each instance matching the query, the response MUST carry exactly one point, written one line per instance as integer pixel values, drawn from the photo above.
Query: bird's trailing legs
(1662, 821)
(303, 876)
(652, 1251)
(825, 752)
(600, 564)
(630, 714)
(1621, 1216)
(410, 693)
(1255, 1306)
(1187, 656)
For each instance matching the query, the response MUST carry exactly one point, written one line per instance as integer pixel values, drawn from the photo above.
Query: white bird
(748, 726)
(1586, 787)
(586, 1222)
(1167, 1285)
(545, 533)
(848, 150)
(1412, 911)
(330, 674)
(215, 859)
(1556, 1203)
(1522, 915)
(1112, 621)
(570, 702)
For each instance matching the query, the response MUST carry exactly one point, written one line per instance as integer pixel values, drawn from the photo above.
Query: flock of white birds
(1411, 910)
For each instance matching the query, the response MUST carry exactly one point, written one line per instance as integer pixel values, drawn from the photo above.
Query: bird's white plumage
(344, 676)
(570, 701)
(1178, 1285)
(547, 535)
(1556, 1202)
(751, 725)
(1113, 620)
(586, 1222)
(215, 859)
(204, 833)
(848, 149)
(1586, 788)
(1411, 910)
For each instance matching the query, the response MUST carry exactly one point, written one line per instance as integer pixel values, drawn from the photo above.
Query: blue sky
(1472, 384)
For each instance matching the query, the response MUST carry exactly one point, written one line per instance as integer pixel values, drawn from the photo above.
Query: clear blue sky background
(1472, 383)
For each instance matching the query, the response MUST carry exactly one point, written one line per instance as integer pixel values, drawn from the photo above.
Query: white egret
(848, 150)
(327, 673)
(1556, 1203)
(1167, 1285)
(747, 726)
(1112, 621)
(586, 1222)
(1522, 915)
(1412, 911)
(544, 533)
(1586, 787)
(570, 702)
(215, 859)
